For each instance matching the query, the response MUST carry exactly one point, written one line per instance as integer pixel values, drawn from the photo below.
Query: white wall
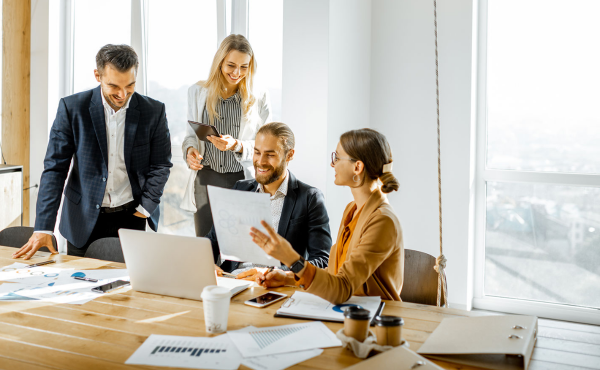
(38, 117)
(349, 88)
(403, 107)
(305, 85)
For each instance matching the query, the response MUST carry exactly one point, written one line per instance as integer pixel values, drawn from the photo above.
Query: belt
(120, 208)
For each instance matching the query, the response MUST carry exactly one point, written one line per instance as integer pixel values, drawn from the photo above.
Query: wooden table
(103, 333)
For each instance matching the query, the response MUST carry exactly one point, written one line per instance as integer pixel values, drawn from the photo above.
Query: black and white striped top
(230, 110)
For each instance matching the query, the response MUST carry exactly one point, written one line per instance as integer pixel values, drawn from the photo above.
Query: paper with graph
(280, 339)
(234, 212)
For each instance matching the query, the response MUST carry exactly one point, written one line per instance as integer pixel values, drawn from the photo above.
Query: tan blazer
(374, 263)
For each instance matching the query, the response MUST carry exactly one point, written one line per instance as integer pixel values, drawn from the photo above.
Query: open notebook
(304, 305)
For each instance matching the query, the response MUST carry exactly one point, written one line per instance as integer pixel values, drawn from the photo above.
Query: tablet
(203, 130)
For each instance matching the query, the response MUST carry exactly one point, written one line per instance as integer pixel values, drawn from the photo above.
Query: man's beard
(113, 105)
(269, 179)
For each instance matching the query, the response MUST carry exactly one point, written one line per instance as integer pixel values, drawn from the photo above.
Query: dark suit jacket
(78, 135)
(304, 221)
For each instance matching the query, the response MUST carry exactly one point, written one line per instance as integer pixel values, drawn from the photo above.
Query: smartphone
(110, 286)
(265, 299)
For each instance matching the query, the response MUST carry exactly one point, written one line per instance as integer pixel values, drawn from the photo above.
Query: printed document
(234, 212)
(309, 306)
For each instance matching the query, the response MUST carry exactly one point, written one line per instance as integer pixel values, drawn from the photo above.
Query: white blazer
(259, 114)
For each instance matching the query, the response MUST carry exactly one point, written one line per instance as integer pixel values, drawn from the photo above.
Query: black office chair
(18, 236)
(107, 249)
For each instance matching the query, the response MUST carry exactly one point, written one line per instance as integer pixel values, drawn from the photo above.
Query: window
(181, 47)
(96, 23)
(539, 177)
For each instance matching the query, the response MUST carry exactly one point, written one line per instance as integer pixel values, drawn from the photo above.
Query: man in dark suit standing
(297, 209)
(119, 144)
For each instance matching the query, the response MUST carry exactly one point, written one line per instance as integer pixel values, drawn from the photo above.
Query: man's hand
(219, 270)
(250, 275)
(223, 143)
(193, 159)
(36, 241)
(139, 214)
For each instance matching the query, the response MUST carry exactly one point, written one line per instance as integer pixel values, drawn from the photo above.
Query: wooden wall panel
(16, 53)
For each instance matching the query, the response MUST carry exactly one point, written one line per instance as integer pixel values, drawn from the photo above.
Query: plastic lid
(215, 292)
(389, 321)
(356, 313)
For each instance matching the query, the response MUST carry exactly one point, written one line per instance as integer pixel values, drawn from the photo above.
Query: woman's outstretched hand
(274, 245)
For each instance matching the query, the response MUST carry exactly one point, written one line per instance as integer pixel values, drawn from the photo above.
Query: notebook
(308, 306)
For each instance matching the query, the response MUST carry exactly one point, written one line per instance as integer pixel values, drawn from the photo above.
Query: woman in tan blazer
(368, 257)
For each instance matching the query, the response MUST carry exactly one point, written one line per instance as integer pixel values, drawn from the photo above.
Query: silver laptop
(172, 265)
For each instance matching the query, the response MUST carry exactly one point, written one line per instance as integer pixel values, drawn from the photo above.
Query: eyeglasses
(335, 158)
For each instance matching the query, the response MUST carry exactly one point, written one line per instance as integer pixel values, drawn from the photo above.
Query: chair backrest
(18, 236)
(420, 279)
(107, 249)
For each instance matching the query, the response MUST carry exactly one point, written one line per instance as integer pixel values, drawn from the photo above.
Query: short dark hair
(281, 131)
(121, 57)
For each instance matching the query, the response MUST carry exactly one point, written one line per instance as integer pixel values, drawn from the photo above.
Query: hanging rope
(440, 262)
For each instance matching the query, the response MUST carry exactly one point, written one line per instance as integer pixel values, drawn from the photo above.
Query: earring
(355, 178)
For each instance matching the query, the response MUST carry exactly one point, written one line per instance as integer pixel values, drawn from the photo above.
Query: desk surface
(103, 333)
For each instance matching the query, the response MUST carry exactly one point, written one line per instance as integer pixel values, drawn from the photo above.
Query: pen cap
(356, 313)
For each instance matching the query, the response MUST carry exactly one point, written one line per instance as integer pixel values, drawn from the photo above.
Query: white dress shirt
(277, 200)
(118, 189)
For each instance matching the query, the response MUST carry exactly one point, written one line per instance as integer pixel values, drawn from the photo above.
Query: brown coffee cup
(356, 323)
(388, 330)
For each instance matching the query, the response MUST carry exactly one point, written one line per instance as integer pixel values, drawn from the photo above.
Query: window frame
(484, 175)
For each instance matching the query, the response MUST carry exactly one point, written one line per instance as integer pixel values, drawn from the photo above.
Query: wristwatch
(297, 266)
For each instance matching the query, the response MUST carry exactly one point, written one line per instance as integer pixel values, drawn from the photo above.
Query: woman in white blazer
(229, 101)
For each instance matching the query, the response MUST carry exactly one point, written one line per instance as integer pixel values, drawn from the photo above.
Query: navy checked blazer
(304, 223)
(78, 135)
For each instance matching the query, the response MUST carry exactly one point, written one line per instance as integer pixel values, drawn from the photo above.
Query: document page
(189, 352)
(281, 339)
(234, 212)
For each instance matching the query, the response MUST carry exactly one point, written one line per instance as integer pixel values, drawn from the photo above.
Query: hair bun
(390, 183)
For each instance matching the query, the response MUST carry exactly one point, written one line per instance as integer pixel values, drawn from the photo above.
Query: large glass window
(265, 33)
(181, 47)
(541, 176)
(96, 23)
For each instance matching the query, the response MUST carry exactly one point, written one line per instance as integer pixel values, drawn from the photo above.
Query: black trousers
(206, 176)
(107, 226)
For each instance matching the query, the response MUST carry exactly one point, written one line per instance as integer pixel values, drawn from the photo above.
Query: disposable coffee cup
(356, 323)
(388, 330)
(215, 301)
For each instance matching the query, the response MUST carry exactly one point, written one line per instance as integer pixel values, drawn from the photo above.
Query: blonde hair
(216, 82)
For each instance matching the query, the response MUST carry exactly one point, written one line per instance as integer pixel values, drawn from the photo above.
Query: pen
(40, 264)
(267, 273)
(85, 279)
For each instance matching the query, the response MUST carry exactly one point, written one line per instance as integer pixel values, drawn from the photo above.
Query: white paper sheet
(280, 361)
(281, 339)
(234, 212)
(310, 306)
(189, 352)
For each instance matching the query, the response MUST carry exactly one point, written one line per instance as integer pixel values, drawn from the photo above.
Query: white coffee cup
(215, 301)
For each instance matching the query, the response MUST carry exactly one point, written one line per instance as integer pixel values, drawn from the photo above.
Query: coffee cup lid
(215, 292)
(389, 321)
(356, 313)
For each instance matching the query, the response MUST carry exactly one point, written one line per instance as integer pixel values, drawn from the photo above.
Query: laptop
(172, 265)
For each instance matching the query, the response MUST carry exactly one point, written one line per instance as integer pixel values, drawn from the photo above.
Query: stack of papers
(271, 348)
(44, 283)
(308, 306)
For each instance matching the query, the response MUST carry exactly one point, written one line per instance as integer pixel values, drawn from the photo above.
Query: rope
(440, 262)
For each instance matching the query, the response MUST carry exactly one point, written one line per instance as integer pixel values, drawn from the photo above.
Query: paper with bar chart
(279, 339)
(188, 352)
